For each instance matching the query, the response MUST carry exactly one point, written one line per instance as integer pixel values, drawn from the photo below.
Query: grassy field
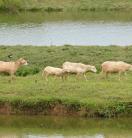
(95, 97)
(65, 5)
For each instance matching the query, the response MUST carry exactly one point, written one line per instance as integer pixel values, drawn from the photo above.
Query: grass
(52, 5)
(95, 97)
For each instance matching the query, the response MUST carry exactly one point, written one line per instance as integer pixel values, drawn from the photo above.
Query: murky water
(109, 28)
(58, 127)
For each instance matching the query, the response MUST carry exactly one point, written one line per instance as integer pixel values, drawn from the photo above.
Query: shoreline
(58, 107)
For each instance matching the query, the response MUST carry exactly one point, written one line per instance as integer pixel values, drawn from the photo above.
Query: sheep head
(22, 61)
(64, 71)
(130, 68)
(92, 68)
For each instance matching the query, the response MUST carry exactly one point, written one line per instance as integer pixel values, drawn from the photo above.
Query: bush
(24, 71)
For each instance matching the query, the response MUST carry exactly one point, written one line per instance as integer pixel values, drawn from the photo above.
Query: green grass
(65, 5)
(97, 96)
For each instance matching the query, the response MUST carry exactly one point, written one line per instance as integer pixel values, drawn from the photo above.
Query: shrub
(24, 71)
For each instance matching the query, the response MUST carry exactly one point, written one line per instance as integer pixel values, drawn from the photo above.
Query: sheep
(115, 67)
(12, 66)
(78, 68)
(52, 71)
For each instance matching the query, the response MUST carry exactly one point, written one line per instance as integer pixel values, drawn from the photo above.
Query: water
(109, 28)
(58, 127)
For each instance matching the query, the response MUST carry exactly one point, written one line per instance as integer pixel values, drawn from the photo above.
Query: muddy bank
(60, 109)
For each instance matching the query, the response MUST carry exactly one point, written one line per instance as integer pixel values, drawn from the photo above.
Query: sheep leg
(102, 72)
(85, 76)
(65, 76)
(56, 77)
(46, 77)
(101, 75)
(119, 76)
(12, 77)
(62, 77)
(78, 76)
(125, 74)
(106, 75)
(43, 74)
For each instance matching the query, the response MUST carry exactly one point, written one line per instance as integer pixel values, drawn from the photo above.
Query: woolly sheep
(12, 66)
(115, 67)
(52, 71)
(78, 68)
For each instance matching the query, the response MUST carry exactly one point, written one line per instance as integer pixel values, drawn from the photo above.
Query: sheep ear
(20, 58)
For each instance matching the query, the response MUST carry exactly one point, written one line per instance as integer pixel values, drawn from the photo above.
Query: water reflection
(62, 127)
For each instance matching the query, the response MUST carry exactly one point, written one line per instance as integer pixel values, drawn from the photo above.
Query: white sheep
(78, 68)
(11, 67)
(115, 67)
(52, 71)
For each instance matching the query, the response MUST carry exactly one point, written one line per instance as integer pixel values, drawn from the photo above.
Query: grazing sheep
(115, 67)
(52, 71)
(78, 68)
(11, 67)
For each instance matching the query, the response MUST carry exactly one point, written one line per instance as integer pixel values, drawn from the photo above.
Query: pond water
(78, 28)
(58, 127)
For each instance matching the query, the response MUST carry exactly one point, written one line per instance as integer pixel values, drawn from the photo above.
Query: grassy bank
(62, 5)
(95, 97)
